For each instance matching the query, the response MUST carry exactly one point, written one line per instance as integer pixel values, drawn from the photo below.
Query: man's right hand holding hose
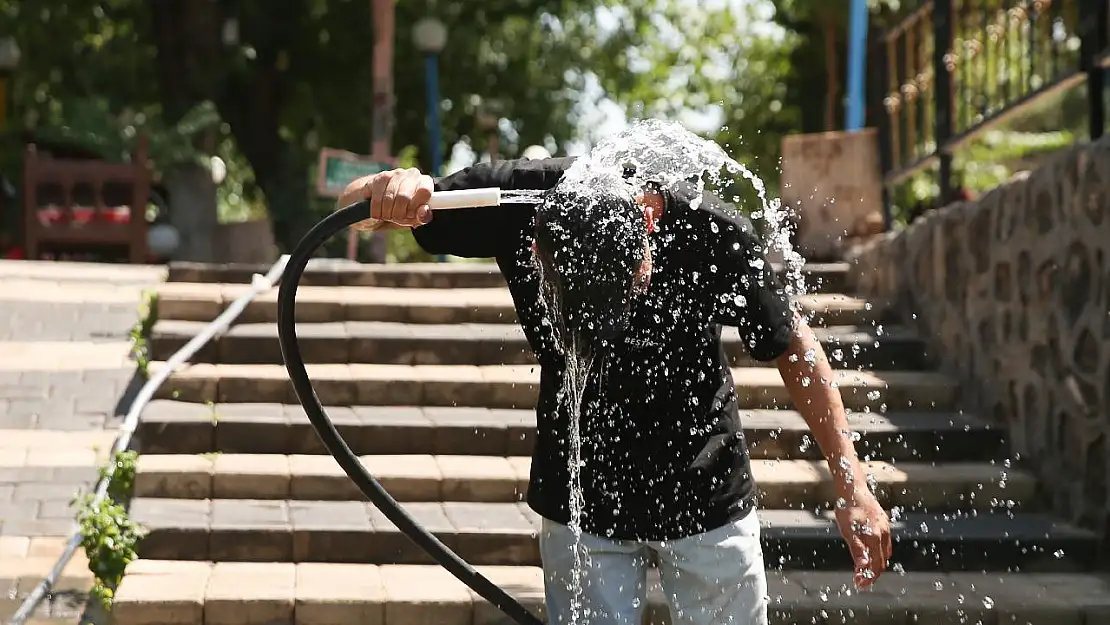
(398, 199)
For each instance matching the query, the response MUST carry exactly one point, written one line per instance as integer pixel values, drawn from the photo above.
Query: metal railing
(951, 69)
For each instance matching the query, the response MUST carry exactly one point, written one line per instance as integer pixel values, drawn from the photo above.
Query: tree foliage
(299, 77)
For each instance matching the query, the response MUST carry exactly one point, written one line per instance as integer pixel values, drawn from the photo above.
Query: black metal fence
(952, 68)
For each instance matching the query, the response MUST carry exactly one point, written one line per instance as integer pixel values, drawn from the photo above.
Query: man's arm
(751, 298)
(863, 523)
(472, 232)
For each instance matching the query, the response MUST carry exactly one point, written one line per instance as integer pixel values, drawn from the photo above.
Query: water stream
(521, 196)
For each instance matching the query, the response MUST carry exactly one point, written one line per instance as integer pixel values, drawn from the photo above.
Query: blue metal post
(431, 78)
(857, 65)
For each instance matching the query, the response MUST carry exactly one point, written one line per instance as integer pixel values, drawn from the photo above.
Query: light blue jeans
(715, 578)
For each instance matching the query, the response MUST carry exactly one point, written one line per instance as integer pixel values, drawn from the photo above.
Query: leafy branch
(91, 124)
(109, 536)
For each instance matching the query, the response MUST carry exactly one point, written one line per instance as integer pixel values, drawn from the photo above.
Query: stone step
(191, 301)
(227, 530)
(171, 427)
(331, 272)
(789, 484)
(159, 592)
(383, 342)
(514, 386)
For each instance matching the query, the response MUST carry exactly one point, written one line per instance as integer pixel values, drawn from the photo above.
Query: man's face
(653, 203)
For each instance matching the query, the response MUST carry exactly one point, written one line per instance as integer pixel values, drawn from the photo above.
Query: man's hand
(866, 528)
(863, 523)
(399, 196)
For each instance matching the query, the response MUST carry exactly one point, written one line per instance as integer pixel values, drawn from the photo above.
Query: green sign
(338, 168)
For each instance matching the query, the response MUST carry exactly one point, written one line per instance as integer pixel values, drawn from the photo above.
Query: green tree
(721, 61)
(300, 77)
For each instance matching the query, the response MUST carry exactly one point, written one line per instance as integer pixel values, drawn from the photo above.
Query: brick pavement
(65, 374)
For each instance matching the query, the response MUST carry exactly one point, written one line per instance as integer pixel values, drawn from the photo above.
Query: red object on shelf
(53, 215)
(15, 253)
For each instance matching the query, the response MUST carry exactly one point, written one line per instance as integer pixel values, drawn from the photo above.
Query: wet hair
(590, 246)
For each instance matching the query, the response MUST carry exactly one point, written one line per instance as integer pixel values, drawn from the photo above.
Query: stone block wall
(1013, 289)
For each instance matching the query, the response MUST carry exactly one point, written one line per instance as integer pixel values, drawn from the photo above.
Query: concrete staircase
(432, 383)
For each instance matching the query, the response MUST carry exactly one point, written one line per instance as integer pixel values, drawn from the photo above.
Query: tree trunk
(193, 211)
(188, 36)
(832, 81)
(284, 183)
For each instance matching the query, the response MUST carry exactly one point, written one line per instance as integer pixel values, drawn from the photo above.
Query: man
(647, 276)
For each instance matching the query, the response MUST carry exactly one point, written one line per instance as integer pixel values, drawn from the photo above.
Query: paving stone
(250, 530)
(177, 426)
(425, 595)
(339, 594)
(476, 431)
(319, 477)
(31, 491)
(192, 383)
(65, 458)
(245, 593)
(525, 584)
(158, 592)
(243, 476)
(175, 526)
(183, 476)
(57, 510)
(499, 535)
(479, 478)
(12, 512)
(407, 477)
(305, 440)
(324, 527)
(14, 546)
(394, 429)
(193, 302)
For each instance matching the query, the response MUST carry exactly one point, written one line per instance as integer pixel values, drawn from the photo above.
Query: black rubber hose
(294, 364)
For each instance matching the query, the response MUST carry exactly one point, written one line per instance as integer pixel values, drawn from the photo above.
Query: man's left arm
(751, 297)
(863, 523)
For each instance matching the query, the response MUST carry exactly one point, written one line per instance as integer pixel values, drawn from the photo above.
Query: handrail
(218, 325)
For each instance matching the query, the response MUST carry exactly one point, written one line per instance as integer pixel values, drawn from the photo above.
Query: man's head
(593, 252)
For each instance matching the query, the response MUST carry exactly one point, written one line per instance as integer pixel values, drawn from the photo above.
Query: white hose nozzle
(465, 198)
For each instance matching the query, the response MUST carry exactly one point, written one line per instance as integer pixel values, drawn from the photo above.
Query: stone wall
(1014, 288)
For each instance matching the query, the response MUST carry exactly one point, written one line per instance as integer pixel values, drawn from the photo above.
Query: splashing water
(664, 153)
(521, 196)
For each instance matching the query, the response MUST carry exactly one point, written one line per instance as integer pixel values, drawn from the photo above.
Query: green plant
(109, 536)
(89, 122)
(140, 332)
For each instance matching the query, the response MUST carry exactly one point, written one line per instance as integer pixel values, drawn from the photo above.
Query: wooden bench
(72, 205)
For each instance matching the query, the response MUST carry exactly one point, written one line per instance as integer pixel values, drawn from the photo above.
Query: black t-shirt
(664, 455)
